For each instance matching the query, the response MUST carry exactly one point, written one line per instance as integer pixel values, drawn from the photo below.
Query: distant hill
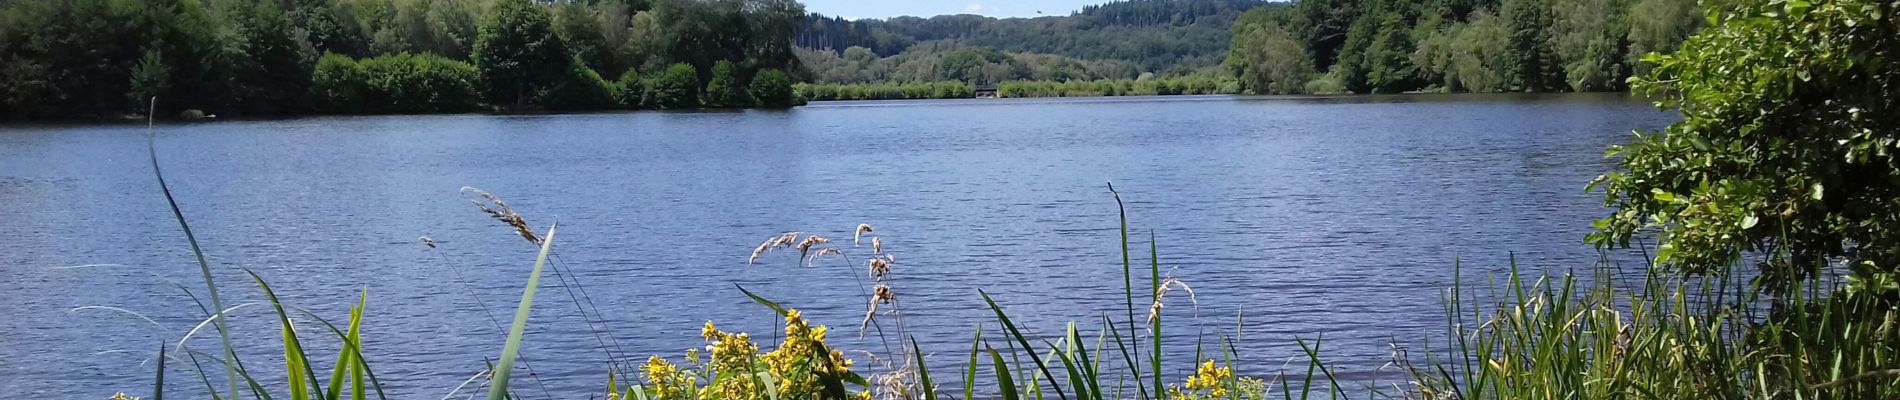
(1155, 35)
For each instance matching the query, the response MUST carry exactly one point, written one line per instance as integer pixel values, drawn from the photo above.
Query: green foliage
(1152, 35)
(517, 54)
(151, 78)
(772, 88)
(277, 80)
(629, 90)
(676, 88)
(1466, 56)
(944, 60)
(1786, 145)
(403, 83)
(724, 90)
(1389, 46)
(1269, 60)
(582, 89)
(1657, 26)
(886, 91)
(1188, 85)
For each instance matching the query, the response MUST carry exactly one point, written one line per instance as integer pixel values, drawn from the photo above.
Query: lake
(1305, 216)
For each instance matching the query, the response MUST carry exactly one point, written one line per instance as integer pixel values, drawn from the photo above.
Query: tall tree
(517, 53)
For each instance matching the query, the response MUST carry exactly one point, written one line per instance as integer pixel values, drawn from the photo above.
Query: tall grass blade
(498, 390)
(969, 372)
(303, 376)
(1128, 290)
(158, 383)
(923, 372)
(1003, 381)
(211, 286)
(1018, 334)
(1154, 281)
(762, 301)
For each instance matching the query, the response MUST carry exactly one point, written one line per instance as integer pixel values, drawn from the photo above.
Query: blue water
(1339, 217)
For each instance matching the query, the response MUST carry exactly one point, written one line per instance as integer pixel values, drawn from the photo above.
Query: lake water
(1339, 217)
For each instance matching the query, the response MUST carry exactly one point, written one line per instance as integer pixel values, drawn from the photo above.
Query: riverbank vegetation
(103, 58)
(1380, 46)
(1771, 203)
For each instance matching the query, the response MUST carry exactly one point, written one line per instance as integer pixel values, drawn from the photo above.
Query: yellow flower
(1212, 378)
(665, 378)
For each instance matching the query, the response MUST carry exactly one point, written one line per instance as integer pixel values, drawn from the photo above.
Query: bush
(582, 89)
(676, 88)
(1786, 146)
(723, 90)
(629, 90)
(402, 83)
(772, 88)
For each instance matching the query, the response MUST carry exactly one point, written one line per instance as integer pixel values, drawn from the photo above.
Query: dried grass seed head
(1161, 293)
(501, 212)
(859, 233)
(781, 240)
(804, 247)
(880, 268)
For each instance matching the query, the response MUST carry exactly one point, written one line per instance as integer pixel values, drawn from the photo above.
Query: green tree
(1269, 60)
(517, 53)
(1588, 37)
(724, 89)
(1786, 146)
(1658, 26)
(276, 80)
(1534, 66)
(772, 88)
(150, 77)
(676, 88)
(338, 84)
(582, 89)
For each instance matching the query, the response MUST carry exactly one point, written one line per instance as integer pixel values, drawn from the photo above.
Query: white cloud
(973, 9)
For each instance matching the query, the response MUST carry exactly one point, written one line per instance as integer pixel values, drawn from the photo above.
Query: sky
(926, 8)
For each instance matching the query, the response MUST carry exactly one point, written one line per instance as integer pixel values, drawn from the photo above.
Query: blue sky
(926, 8)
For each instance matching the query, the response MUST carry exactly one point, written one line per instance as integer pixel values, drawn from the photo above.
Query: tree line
(103, 58)
(1154, 35)
(1390, 46)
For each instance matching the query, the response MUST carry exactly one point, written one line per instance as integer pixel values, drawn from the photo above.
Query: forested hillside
(1388, 46)
(103, 58)
(1151, 35)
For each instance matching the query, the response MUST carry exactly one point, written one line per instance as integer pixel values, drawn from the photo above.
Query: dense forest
(1134, 35)
(1390, 46)
(103, 58)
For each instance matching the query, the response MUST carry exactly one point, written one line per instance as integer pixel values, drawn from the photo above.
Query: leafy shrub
(676, 88)
(629, 90)
(723, 90)
(402, 83)
(772, 88)
(582, 89)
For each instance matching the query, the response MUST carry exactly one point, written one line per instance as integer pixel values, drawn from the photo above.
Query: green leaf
(923, 372)
(498, 388)
(1003, 381)
(1020, 339)
(1750, 221)
(1815, 192)
(1663, 196)
(762, 301)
